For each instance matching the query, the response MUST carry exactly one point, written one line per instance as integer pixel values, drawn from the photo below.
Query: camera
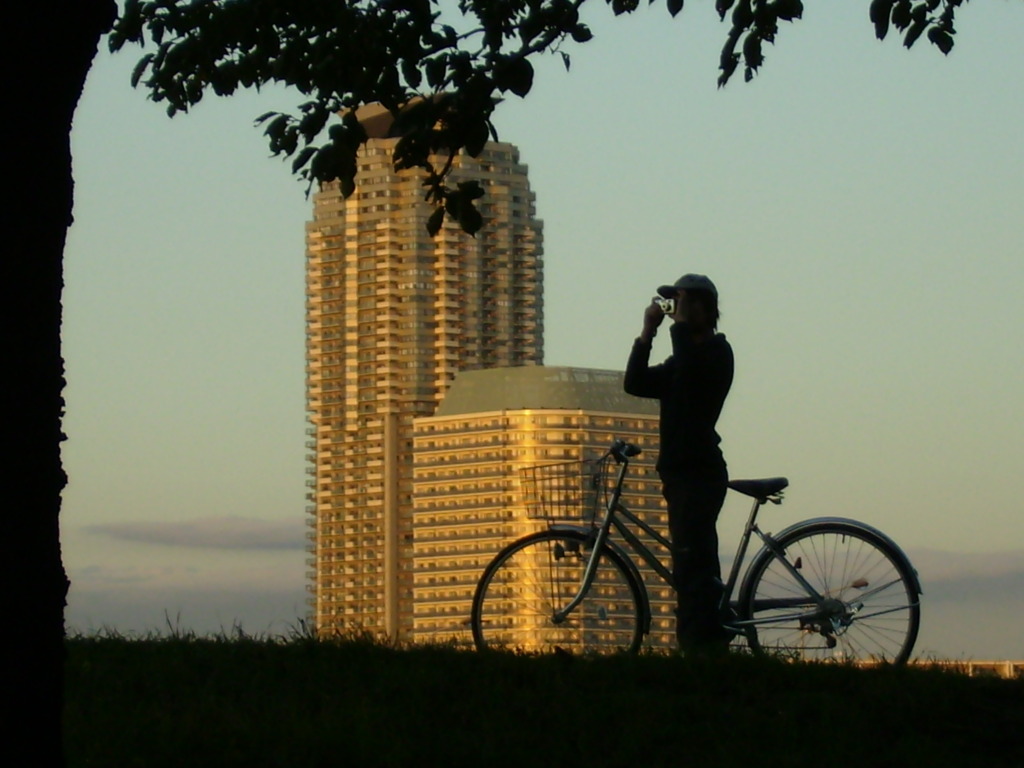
(668, 306)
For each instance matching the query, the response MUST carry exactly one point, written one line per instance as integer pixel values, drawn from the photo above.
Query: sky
(859, 206)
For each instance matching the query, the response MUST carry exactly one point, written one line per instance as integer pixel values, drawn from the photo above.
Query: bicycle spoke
(539, 578)
(867, 609)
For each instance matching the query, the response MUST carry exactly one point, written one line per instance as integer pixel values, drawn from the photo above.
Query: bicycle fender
(614, 547)
(645, 606)
(858, 526)
(588, 531)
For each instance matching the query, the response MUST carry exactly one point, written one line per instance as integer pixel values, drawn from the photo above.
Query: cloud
(946, 565)
(1006, 586)
(204, 611)
(230, 532)
(129, 576)
(969, 576)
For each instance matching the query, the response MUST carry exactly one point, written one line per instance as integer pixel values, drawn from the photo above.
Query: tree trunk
(48, 48)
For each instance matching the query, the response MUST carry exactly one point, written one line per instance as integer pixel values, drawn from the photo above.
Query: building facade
(468, 496)
(391, 316)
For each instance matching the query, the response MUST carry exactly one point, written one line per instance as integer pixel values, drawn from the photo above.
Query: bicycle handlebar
(623, 451)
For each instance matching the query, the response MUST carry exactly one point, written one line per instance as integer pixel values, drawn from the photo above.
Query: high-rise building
(469, 498)
(392, 315)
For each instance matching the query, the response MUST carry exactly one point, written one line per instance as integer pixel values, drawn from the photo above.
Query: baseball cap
(689, 282)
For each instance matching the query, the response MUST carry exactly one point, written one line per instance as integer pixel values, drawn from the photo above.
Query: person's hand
(653, 317)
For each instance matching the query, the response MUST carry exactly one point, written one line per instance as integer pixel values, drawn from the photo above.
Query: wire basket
(571, 490)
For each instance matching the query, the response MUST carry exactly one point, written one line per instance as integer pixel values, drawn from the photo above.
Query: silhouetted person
(691, 386)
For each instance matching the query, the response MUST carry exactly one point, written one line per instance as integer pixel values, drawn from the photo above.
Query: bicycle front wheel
(868, 609)
(521, 592)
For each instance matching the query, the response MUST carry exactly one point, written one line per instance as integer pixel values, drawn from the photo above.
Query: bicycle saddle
(761, 490)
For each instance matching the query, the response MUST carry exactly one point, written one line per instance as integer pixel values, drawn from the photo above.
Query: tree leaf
(476, 137)
(581, 33)
(752, 51)
(452, 203)
(519, 77)
(901, 14)
(323, 166)
(674, 7)
(348, 186)
(471, 190)
(941, 38)
(879, 13)
(742, 15)
(788, 10)
(275, 128)
(727, 66)
(435, 221)
(140, 68)
(914, 32)
(469, 218)
(302, 158)
(312, 123)
(436, 68)
(411, 73)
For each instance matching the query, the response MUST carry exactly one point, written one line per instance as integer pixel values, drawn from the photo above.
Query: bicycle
(822, 589)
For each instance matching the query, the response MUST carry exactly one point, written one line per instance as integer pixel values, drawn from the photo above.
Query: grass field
(242, 701)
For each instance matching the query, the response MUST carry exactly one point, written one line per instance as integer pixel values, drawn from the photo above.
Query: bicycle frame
(741, 552)
(611, 521)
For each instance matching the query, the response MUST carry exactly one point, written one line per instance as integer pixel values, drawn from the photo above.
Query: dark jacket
(691, 386)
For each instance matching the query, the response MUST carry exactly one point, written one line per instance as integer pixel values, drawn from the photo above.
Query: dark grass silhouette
(240, 700)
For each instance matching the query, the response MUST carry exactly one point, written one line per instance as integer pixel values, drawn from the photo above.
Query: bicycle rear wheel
(869, 609)
(530, 580)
